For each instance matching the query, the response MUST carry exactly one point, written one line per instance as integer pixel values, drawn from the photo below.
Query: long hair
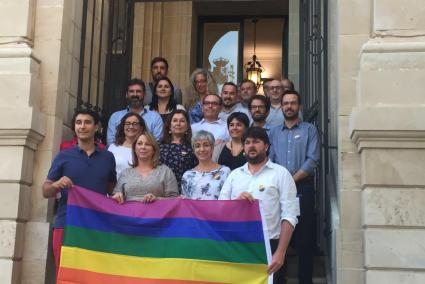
(152, 141)
(166, 131)
(120, 135)
(171, 105)
(192, 95)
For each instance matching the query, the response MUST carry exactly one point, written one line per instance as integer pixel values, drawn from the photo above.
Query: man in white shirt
(231, 104)
(211, 107)
(273, 185)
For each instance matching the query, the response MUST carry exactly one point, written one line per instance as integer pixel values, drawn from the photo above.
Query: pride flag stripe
(160, 268)
(210, 210)
(188, 248)
(69, 275)
(167, 227)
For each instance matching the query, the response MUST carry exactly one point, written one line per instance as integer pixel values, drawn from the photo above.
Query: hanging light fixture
(253, 68)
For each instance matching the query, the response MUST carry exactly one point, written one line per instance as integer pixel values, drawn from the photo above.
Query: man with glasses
(229, 95)
(274, 91)
(259, 107)
(211, 107)
(135, 94)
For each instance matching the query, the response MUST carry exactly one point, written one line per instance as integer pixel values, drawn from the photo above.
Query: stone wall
(387, 128)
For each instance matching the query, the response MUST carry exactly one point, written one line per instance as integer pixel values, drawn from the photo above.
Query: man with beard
(159, 68)
(273, 91)
(295, 145)
(229, 94)
(248, 89)
(271, 183)
(259, 107)
(135, 94)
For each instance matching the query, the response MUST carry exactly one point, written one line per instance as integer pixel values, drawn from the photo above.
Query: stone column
(21, 130)
(388, 128)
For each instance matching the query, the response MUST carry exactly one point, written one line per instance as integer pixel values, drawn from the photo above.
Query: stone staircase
(319, 274)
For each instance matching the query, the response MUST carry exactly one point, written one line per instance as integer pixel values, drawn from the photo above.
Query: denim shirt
(295, 148)
(195, 113)
(152, 119)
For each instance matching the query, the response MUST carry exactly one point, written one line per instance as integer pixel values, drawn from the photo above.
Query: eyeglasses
(262, 107)
(133, 124)
(213, 104)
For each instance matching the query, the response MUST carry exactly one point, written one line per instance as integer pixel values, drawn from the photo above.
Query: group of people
(234, 145)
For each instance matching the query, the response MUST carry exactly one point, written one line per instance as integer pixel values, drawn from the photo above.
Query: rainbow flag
(166, 242)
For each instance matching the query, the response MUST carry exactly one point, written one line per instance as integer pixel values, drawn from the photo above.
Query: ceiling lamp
(253, 68)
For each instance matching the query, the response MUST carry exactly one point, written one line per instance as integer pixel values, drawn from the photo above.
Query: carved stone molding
(20, 137)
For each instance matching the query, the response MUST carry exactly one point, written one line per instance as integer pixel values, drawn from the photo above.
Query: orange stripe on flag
(83, 276)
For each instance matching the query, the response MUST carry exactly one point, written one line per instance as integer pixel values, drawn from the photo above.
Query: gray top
(161, 182)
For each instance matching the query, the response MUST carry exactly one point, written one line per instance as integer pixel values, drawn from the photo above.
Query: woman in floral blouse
(175, 149)
(207, 178)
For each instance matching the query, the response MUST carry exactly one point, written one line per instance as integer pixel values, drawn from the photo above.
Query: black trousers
(278, 276)
(304, 233)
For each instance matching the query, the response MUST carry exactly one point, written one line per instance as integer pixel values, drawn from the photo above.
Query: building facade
(55, 54)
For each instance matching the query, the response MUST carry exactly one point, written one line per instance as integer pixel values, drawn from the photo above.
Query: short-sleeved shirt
(160, 182)
(123, 157)
(226, 158)
(92, 172)
(204, 185)
(152, 120)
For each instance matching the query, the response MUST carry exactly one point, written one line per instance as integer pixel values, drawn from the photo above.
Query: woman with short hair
(231, 153)
(206, 179)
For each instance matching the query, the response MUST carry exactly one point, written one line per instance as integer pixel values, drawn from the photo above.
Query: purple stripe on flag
(211, 210)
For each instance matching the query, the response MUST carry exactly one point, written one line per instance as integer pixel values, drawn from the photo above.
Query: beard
(259, 117)
(257, 159)
(292, 116)
(135, 102)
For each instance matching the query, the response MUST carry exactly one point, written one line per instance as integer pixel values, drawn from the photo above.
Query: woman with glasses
(147, 180)
(163, 98)
(206, 179)
(201, 83)
(231, 153)
(175, 149)
(131, 125)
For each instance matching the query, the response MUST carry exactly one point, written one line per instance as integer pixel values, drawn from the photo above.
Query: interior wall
(269, 47)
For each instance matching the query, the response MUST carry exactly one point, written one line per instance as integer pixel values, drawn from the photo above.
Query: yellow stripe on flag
(163, 268)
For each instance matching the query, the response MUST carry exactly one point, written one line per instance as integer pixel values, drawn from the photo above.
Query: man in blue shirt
(135, 95)
(295, 145)
(85, 165)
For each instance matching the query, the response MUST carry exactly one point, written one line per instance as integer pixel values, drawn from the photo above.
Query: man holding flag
(274, 186)
(85, 165)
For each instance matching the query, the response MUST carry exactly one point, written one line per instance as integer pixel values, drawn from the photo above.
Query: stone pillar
(21, 130)
(294, 42)
(387, 126)
(349, 28)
